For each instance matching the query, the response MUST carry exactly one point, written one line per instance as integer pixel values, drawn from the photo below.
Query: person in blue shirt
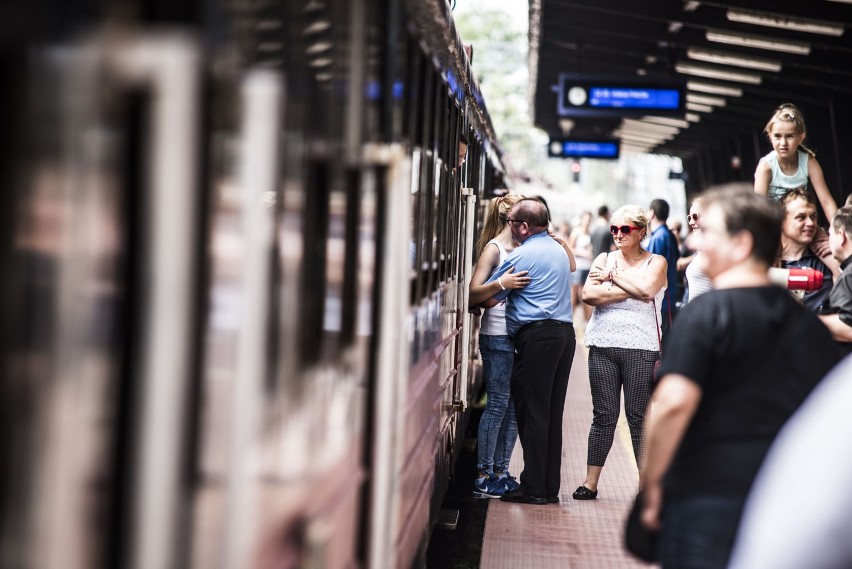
(539, 321)
(663, 242)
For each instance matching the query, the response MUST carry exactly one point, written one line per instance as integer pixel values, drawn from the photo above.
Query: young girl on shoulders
(791, 165)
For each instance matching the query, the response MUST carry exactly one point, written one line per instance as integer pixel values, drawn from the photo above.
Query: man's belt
(546, 323)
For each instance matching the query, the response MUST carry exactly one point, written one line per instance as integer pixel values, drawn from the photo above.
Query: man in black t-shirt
(739, 361)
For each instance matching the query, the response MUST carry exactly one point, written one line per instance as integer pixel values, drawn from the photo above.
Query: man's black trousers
(544, 351)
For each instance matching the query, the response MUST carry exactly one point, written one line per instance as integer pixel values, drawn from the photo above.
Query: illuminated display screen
(583, 149)
(619, 96)
(633, 98)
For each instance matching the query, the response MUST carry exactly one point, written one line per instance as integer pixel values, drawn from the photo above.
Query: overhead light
(652, 136)
(266, 25)
(640, 145)
(318, 47)
(705, 100)
(675, 27)
(785, 23)
(692, 117)
(691, 5)
(714, 73)
(637, 137)
(269, 46)
(314, 6)
(634, 124)
(316, 27)
(714, 89)
(698, 108)
(842, 1)
(646, 130)
(665, 121)
(723, 58)
(321, 62)
(637, 148)
(798, 48)
(642, 137)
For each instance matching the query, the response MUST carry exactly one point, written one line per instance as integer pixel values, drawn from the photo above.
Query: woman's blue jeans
(498, 430)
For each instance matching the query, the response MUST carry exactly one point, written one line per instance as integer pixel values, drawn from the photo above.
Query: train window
(442, 223)
(447, 186)
(312, 277)
(413, 71)
(349, 301)
(415, 119)
(423, 208)
(419, 93)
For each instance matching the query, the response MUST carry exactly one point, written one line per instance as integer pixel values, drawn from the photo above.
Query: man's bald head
(531, 211)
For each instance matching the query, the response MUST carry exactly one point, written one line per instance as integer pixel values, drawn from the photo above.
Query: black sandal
(583, 493)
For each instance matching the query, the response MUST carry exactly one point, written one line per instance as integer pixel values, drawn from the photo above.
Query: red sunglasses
(625, 229)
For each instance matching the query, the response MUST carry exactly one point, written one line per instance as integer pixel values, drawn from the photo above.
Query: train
(236, 244)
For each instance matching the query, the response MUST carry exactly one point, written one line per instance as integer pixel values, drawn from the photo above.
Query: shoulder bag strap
(657, 327)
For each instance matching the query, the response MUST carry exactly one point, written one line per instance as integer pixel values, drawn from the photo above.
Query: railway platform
(572, 534)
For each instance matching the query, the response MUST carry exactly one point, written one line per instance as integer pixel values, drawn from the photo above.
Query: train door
(103, 251)
(294, 246)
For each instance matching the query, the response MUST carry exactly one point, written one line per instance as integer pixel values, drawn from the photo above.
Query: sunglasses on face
(625, 229)
(693, 217)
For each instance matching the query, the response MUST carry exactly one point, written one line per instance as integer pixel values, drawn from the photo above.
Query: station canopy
(738, 60)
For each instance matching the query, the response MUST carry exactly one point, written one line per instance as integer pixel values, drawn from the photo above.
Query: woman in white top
(696, 281)
(625, 288)
(580, 242)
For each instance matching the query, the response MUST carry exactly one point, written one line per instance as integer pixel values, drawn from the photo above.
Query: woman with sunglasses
(696, 281)
(625, 287)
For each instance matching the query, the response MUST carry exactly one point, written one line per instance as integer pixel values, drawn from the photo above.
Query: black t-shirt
(813, 299)
(727, 341)
(840, 301)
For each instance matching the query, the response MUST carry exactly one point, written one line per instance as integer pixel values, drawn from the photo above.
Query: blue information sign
(634, 98)
(580, 95)
(561, 148)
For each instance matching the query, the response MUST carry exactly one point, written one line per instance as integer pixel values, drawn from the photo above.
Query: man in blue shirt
(538, 318)
(663, 242)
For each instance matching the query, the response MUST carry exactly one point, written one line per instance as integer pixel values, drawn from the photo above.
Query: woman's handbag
(639, 540)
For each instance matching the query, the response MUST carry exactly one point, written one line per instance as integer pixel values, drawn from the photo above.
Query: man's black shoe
(520, 497)
(552, 499)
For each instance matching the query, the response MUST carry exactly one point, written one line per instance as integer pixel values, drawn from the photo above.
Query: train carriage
(237, 239)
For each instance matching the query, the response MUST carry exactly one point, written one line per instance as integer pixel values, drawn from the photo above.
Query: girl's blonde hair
(788, 112)
(495, 219)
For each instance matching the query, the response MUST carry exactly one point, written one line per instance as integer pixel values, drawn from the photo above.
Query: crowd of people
(742, 354)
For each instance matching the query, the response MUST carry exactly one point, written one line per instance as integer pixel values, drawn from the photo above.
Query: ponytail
(495, 219)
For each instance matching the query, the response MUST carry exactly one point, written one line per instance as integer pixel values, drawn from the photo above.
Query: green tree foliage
(500, 64)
